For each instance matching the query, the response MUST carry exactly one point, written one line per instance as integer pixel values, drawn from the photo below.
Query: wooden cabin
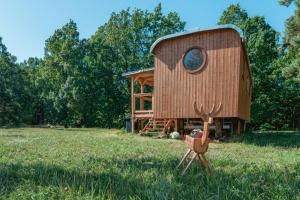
(207, 67)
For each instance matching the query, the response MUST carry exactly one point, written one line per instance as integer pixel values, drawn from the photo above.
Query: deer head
(207, 116)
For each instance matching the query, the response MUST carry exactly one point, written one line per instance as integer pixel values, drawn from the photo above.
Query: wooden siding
(245, 89)
(175, 89)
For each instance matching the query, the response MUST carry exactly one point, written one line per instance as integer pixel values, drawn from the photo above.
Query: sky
(26, 24)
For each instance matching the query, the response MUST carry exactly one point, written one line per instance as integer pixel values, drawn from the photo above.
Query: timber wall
(219, 80)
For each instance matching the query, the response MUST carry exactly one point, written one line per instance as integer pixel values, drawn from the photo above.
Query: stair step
(154, 129)
(155, 126)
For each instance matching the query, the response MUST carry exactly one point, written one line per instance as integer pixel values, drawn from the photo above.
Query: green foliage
(102, 164)
(292, 42)
(79, 82)
(64, 53)
(12, 90)
(33, 108)
(275, 98)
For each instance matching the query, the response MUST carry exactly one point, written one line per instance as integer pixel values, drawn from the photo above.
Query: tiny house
(207, 67)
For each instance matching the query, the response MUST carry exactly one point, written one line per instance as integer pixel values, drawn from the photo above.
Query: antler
(214, 112)
(207, 119)
(206, 116)
(201, 112)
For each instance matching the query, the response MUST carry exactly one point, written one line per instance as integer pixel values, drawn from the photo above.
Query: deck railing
(144, 114)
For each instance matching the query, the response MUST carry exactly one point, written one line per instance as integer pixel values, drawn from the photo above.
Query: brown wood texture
(175, 89)
(245, 89)
(132, 106)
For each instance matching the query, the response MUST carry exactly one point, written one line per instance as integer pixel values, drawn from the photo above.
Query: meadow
(110, 164)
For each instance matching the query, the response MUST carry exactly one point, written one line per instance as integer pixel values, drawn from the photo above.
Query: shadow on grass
(151, 178)
(276, 139)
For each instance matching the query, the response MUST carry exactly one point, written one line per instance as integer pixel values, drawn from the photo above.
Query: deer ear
(210, 120)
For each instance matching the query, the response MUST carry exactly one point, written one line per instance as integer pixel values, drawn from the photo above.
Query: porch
(142, 98)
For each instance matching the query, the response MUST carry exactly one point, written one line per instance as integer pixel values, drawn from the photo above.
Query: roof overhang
(197, 30)
(144, 72)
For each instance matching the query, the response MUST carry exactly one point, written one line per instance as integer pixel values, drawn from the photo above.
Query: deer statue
(200, 145)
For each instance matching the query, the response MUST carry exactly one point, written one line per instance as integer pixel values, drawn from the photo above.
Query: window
(194, 59)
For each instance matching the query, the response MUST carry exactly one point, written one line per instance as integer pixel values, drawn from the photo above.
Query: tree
(275, 97)
(12, 91)
(291, 61)
(292, 42)
(33, 112)
(261, 42)
(63, 65)
(79, 82)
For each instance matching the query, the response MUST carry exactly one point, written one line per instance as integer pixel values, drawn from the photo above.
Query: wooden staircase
(157, 126)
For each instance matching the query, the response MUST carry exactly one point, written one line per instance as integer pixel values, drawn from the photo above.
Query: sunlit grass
(109, 164)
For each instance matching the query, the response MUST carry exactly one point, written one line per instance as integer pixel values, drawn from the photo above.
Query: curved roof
(167, 37)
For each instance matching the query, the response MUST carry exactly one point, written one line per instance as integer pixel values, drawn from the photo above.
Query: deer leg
(184, 157)
(200, 160)
(205, 163)
(194, 156)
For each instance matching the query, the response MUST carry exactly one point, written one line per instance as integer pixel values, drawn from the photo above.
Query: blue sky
(26, 24)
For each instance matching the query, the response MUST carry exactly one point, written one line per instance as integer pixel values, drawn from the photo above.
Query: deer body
(197, 145)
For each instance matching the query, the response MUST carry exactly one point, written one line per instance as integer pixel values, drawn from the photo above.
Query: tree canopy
(78, 82)
(292, 42)
(274, 100)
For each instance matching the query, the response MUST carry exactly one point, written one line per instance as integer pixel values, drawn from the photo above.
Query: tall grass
(106, 164)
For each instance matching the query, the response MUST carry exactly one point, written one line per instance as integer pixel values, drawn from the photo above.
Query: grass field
(109, 164)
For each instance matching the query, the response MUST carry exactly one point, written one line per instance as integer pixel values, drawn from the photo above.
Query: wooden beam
(218, 132)
(142, 102)
(150, 83)
(147, 99)
(175, 125)
(143, 95)
(238, 127)
(143, 116)
(132, 106)
(152, 104)
(149, 79)
(144, 111)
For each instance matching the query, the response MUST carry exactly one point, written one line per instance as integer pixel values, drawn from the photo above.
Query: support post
(142, 107)
(218, 132)
(142, 102)
(175, 125)
(152, 102)
(238, 127)
(132, 106)
(244, 126)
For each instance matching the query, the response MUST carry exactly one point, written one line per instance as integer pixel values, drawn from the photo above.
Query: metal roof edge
(137, 71)
(226, 26)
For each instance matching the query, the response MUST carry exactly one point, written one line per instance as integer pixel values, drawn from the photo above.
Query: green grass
(106, 164)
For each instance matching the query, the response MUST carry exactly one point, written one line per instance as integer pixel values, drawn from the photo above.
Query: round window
(194, 59)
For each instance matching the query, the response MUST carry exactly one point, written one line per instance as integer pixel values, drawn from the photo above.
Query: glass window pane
(193, 59)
